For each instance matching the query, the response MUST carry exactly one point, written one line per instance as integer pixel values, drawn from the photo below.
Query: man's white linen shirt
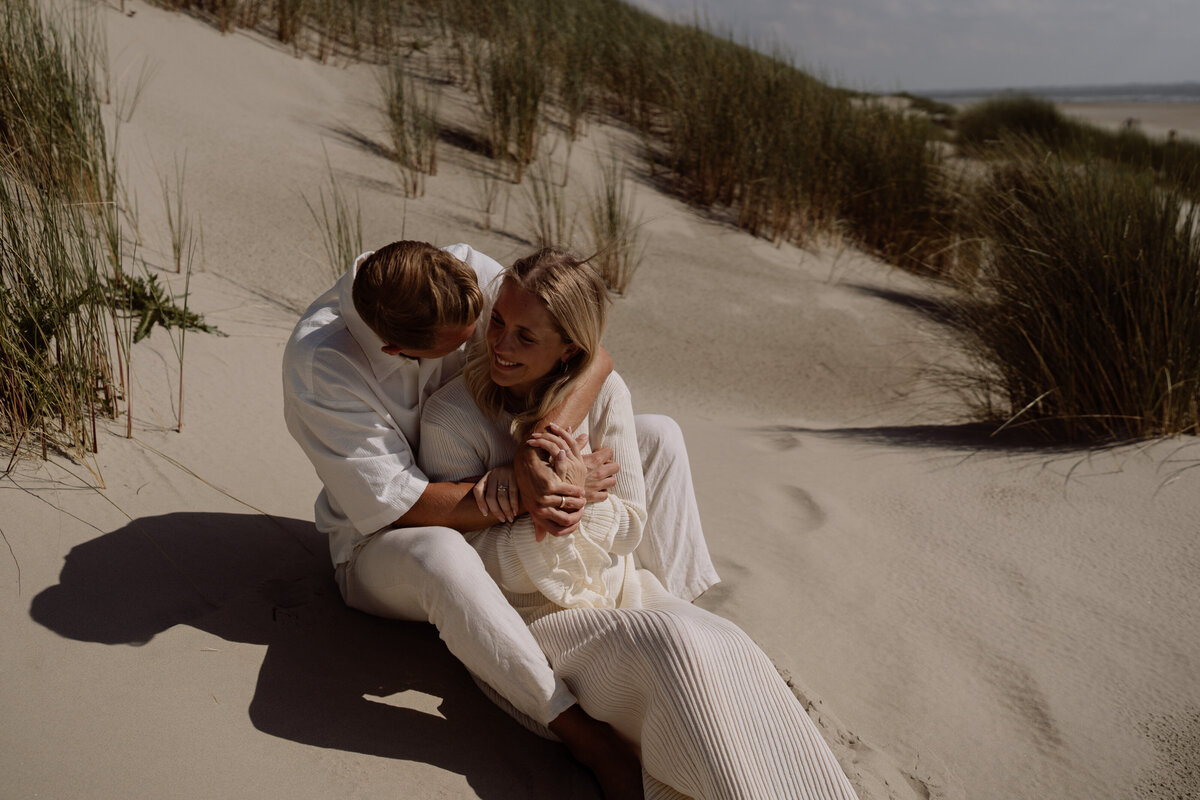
(356, 411)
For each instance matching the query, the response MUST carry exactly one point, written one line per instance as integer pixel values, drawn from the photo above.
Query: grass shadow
(932, 308)
(969, 437)
(354, 138)
(465, 139)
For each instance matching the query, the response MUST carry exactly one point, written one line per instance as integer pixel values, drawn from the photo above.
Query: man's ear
(391, 349)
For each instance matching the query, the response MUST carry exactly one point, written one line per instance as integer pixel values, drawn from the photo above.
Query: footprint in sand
(806, 513)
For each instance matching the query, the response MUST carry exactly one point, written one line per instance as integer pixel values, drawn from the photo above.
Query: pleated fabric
(711, 715)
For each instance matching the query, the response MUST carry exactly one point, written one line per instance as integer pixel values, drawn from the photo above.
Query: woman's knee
(672, 639)
(659, 436)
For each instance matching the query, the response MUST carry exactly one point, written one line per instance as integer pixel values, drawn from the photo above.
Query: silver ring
(503, 488)
(562, 501)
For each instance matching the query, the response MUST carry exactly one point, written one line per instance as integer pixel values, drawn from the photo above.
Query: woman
(705, 707)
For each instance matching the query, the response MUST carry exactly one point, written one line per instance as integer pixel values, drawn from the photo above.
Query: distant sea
(1124, 93)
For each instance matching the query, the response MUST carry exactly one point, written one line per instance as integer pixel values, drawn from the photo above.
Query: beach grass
(987, 128)
(1086, 317)
(179, 220)
(70, 310)
(486, 189)
(793, 157)
(512, 87)
(412, 122)
(724, 125)
(550, 215)
(749, 137)
(614, 225)
(339, 219)
(56, 245)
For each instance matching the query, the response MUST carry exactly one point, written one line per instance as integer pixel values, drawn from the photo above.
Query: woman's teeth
(504, 363)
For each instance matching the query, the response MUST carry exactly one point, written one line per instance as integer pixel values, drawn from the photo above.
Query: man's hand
(601, 473)
(601, 470)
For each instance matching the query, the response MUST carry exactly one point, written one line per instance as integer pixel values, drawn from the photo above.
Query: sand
(963, 619)
(1154, 119)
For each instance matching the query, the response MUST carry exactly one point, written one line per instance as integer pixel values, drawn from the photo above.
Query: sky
(930, 45)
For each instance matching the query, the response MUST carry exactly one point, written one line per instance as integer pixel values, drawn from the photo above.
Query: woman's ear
(570, 352)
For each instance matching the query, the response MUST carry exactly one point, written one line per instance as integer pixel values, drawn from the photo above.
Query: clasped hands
(551, 478)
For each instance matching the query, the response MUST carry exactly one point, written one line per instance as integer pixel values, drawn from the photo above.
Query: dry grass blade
(340, 223)
(412, 122)
(550, 217)
(615, 226)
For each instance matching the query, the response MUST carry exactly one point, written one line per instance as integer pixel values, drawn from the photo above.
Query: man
(356, 372)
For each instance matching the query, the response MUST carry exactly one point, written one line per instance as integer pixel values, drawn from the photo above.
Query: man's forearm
(451, 505)
(570, 413)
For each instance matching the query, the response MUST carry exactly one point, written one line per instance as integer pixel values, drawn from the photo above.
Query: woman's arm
(540, 487)
(617, 522)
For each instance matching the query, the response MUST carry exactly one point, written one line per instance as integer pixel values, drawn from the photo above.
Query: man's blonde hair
(407, 291)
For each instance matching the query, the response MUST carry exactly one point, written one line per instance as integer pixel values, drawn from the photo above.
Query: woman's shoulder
(612, 397)
(614, 387)
(453, 401)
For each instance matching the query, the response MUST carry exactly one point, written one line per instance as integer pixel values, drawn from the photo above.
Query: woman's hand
(558, 514)
(554, 505)
(565, 451)
(497, 494)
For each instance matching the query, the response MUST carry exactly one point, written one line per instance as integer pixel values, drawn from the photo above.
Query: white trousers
(431, 574)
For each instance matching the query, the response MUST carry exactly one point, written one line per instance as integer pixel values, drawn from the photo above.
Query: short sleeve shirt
(356, 411)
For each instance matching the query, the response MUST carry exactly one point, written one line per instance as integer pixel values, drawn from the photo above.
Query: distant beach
(1154, 119)
(1121, 94)
(1156, 109)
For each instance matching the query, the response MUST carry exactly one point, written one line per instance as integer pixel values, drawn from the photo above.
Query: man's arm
(570, 413)
(451, 505)
(543, 492)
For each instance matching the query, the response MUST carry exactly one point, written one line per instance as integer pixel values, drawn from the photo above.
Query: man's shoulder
(486, 268)
(321, 347)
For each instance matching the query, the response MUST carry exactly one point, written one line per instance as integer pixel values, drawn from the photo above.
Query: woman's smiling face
(523, 341)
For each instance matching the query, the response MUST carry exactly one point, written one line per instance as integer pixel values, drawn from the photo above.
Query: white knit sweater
(586, 569)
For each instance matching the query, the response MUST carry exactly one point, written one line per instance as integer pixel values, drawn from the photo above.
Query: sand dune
(963, 619)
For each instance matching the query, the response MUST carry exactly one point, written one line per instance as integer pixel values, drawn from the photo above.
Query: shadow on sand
(267, 581)
(970, 437)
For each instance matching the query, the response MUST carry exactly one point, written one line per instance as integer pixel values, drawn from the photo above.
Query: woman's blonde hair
(577, 301)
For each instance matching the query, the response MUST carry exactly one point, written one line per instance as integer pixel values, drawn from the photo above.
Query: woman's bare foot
(601, 749)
